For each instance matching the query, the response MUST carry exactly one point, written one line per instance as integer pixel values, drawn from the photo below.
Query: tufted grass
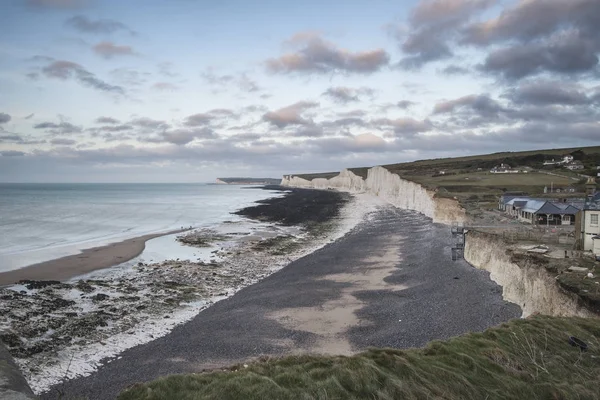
(522, 359)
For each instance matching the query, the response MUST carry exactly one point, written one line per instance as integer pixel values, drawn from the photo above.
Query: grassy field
(523, 359)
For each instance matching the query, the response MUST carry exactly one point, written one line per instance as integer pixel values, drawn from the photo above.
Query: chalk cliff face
(523, 281)
(390, 187)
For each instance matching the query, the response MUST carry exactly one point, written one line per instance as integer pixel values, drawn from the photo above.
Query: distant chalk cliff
(392, 188)
(247, 181)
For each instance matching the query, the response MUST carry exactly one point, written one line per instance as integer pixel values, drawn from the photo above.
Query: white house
(575, 165)
(504, 169)
(565, 160)
(589, 224)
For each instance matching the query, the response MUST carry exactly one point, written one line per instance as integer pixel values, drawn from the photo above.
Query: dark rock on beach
(298, 207)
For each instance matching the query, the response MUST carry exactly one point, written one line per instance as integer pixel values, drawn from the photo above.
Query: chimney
(590, 187)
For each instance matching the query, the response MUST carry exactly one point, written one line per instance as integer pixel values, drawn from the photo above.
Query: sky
(192, 90)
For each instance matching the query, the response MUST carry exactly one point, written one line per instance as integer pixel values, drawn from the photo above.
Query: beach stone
(84, 286)
(100, 297)
(11, 339)
(30, 284)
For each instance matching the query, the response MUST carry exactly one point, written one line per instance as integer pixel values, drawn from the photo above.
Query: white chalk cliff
(390, 187)
(523, 281)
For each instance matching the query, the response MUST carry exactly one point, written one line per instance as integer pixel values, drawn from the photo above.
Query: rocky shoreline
(59, 330)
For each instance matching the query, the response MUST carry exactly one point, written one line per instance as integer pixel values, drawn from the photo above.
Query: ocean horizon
(45, 221)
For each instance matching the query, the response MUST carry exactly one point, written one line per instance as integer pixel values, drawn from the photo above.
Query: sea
(41, 222)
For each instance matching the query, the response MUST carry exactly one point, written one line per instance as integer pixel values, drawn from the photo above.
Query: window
(594, 219)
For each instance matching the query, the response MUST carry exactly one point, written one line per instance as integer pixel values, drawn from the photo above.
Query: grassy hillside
(522, 359)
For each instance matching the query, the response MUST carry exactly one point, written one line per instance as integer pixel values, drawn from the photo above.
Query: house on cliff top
(588, 224)
(540, 211)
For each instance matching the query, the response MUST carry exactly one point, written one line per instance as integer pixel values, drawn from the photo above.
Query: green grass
(522, 359)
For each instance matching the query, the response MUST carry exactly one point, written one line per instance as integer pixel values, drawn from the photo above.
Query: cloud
(185, 136)
(66, 69)
(115, 128)
(542, 92)
(290, 115)
(315, 55)
(164, 87)
(58, 4)
(63, 142)
(11, 153)
(481, 104)
(563, 53)
(344, 95)
(109, 50)
(99, 26)
(405, 104)
(404, 126)
(532, 19)
(107, 120)
(454, 70)
(149, 123)
(4, 118)
(433, 24)
(58, 129)
(561, 37)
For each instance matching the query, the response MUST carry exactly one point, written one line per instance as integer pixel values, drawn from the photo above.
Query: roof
(533, 206)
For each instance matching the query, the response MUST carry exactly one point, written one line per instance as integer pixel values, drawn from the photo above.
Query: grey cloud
(149, 123)
(482, 104)
(311, 130)
(58, 129)
(107, 120)
(352, 113)
(344, 95)
(99, 26)
(34, 76)
(116, 128)
(66, 69)
(404, 126)
(530, 20)
(433, 24)
(185, 136)
(198, 119)
(290, 115)
(29, 116)
(208, 117)
(109, 50)
(455, 70)
(62, 142)
(11, 153)
(4, 118)
(315, 55)
(564, 53)
(541, 92)
(405, 104)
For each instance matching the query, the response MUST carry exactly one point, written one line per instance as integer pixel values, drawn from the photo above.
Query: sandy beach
(87, 261)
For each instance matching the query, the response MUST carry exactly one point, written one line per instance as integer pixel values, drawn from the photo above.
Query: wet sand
(87, 261)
